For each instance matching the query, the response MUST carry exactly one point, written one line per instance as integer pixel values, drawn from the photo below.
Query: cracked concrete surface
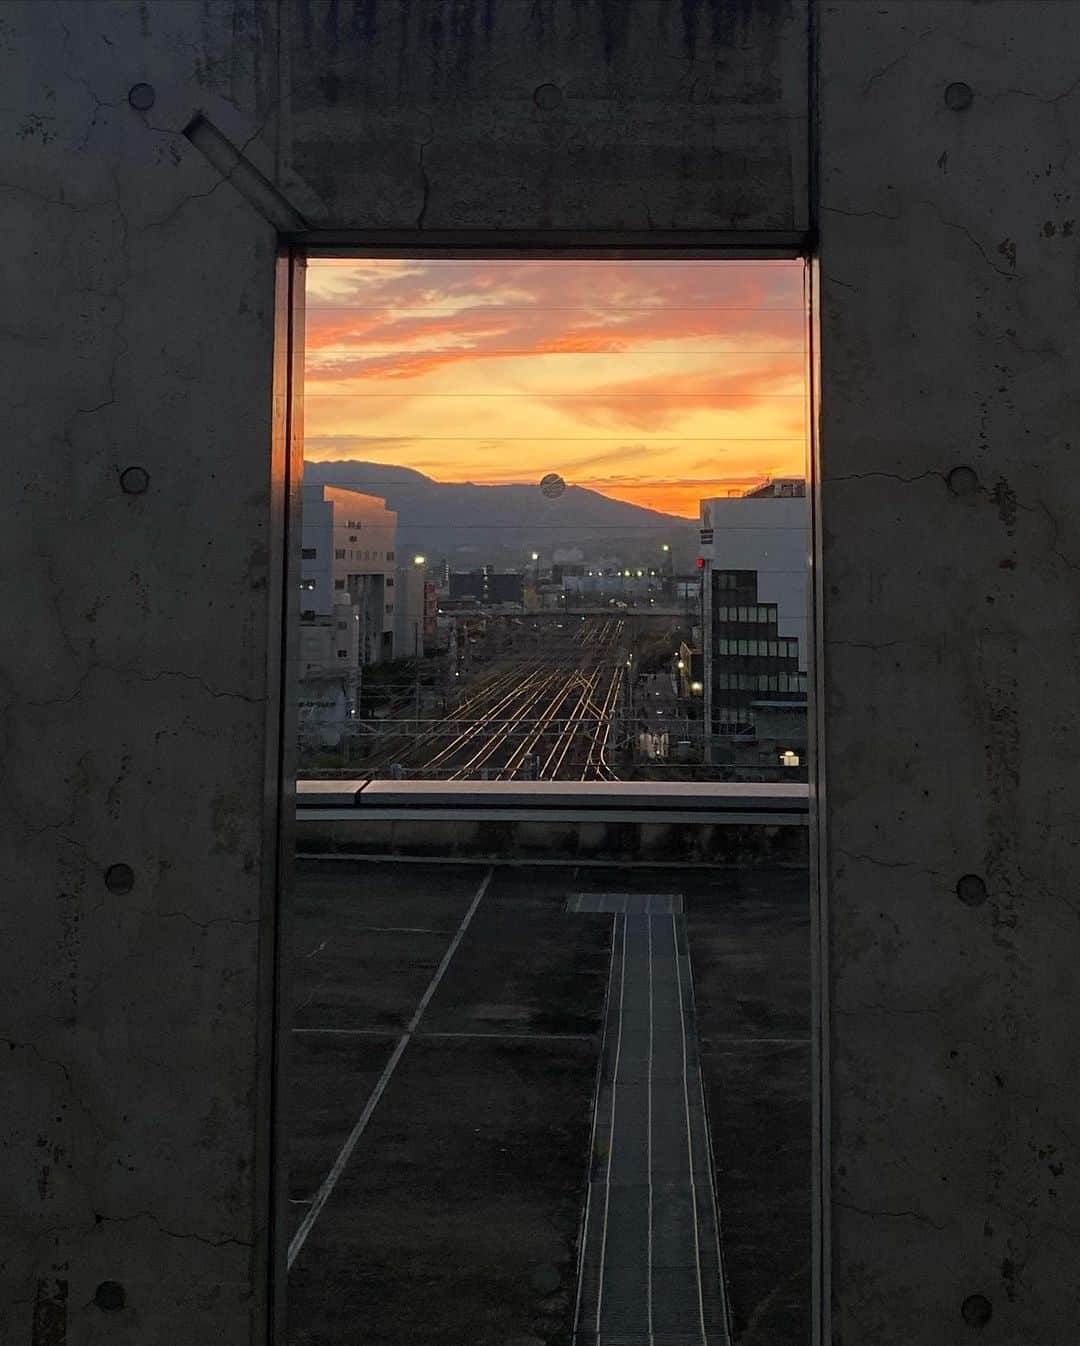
(133, 704)
(138, 330)
(949, 663)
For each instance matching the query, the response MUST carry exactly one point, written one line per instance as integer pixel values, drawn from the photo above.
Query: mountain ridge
(467, 522)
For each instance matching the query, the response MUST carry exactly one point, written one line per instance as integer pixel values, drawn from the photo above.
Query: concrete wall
(553, 114)
(141, 567)
(140, 724)
(950, 342)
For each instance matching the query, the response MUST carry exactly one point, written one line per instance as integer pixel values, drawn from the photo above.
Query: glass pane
(535, 494)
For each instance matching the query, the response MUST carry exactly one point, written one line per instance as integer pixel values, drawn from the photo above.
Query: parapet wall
(597, 822)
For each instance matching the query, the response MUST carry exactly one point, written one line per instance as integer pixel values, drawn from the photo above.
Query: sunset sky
(658, 383)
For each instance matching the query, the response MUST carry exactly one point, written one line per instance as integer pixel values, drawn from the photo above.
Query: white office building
(755, 604)
(409, 611)
(347, 603)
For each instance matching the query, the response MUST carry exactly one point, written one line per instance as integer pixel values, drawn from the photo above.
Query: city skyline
(655, 383)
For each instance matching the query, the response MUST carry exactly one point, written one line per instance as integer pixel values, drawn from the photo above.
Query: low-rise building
(488, 586)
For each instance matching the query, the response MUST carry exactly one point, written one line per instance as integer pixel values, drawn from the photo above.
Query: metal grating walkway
(651, 1267)
(634, 904)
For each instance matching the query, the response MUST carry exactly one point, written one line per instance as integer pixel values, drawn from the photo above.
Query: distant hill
(501, 524)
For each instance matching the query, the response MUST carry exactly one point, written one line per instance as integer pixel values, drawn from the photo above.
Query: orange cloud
(504, 370)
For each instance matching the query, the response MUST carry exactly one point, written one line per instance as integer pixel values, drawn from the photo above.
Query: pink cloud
(657, 401)
(398, 326)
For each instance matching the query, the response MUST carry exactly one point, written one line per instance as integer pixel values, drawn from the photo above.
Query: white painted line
(689, 1136)
(648, 1124)
(611, 1138)
(330, 1181)
(592, 1146)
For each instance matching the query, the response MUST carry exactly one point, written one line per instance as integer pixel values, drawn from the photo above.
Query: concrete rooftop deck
(458, 1091)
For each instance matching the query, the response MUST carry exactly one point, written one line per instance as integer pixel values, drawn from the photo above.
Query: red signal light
(701, 563)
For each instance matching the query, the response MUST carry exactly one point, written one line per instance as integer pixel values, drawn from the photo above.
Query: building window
(389, 583)
(343, 654)
(339, 584)
(307, 615)
(389, 555)
(307, 553)
(339, 554)
(342, 626)
(389, 607)
(307, 586)
(352, 523)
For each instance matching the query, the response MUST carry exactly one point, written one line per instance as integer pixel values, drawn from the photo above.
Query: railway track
(550, 713)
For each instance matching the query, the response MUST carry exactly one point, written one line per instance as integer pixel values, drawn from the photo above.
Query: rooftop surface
(452, 1155)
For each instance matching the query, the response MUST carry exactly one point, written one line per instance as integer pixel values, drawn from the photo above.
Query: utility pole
(416, 667)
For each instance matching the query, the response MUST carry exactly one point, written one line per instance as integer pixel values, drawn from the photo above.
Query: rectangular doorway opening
(549, 1029)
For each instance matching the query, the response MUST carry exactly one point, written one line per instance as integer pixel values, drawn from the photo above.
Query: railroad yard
(549, 713)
